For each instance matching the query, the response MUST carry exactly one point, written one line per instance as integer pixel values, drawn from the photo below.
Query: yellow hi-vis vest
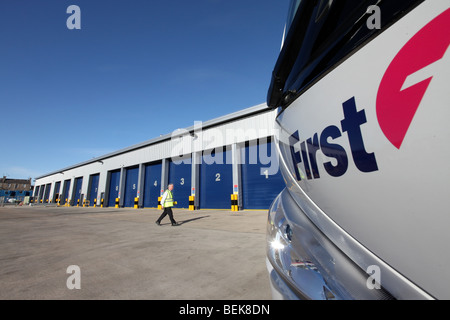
(168, 202)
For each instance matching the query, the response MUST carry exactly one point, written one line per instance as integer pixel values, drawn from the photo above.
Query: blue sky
(136, 69)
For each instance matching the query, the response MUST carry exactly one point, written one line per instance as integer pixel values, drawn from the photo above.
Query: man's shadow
(189, 220)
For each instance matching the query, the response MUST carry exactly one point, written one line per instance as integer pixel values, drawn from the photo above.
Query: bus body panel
(380, 175)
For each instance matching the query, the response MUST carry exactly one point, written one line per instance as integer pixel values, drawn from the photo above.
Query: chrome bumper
(304, 264)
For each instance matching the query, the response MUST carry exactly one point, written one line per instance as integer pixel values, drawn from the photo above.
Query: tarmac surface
(123, 254)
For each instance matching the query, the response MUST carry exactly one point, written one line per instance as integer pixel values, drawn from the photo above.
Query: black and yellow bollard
(78, 202)
(136, 203)
(191, 203)
(234, 202)
(101, 203)
(159, 203)
(117, 203)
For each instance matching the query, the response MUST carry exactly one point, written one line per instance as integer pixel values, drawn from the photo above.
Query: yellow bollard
(191, 203)
(234, 202)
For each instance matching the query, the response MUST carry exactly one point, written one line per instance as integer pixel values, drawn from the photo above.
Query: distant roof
(15, 181)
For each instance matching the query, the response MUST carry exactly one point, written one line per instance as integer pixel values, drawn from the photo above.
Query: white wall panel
(202, 136)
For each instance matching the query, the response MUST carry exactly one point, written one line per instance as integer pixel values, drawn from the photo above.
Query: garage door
(36, 193)
(258, 185)
(152, 185)
(56, 191)
(93, 189)
(180, 176)
(77, 191)
(47, 193)
(113, 190)
(41, 193)
(216, 180)
(131, 186)
(65, 192)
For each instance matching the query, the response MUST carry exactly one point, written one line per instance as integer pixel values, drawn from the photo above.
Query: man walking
(167, 203)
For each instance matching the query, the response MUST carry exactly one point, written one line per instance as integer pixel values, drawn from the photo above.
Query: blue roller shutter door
(131, 186)
(260, 186)
(152, 185)
(47, 193)
(66, 189)
(36, 193)
(113, 193)
(56, 193)
(216, 180)
(94, 189)
(41, 193)
(77, 191)
(180, 176)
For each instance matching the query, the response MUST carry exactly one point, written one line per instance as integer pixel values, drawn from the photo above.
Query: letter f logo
(407, 78)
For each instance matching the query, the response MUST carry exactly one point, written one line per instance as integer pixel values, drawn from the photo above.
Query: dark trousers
(167, 211)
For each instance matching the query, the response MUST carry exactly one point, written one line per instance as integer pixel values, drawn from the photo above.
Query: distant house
(15, 188)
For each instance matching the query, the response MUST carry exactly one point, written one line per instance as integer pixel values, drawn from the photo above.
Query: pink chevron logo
(409, 75)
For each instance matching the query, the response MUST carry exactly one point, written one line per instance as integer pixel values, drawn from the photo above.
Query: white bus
(362, 90)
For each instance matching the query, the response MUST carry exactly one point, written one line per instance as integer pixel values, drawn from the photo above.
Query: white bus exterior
(364, 146)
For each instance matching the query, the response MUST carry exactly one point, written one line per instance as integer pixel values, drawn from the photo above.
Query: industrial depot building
(209, 163)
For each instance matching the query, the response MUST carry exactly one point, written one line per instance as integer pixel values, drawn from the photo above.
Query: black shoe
(175, 224)
(158, 223)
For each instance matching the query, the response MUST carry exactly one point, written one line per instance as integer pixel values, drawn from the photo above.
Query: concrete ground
(123, 254)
